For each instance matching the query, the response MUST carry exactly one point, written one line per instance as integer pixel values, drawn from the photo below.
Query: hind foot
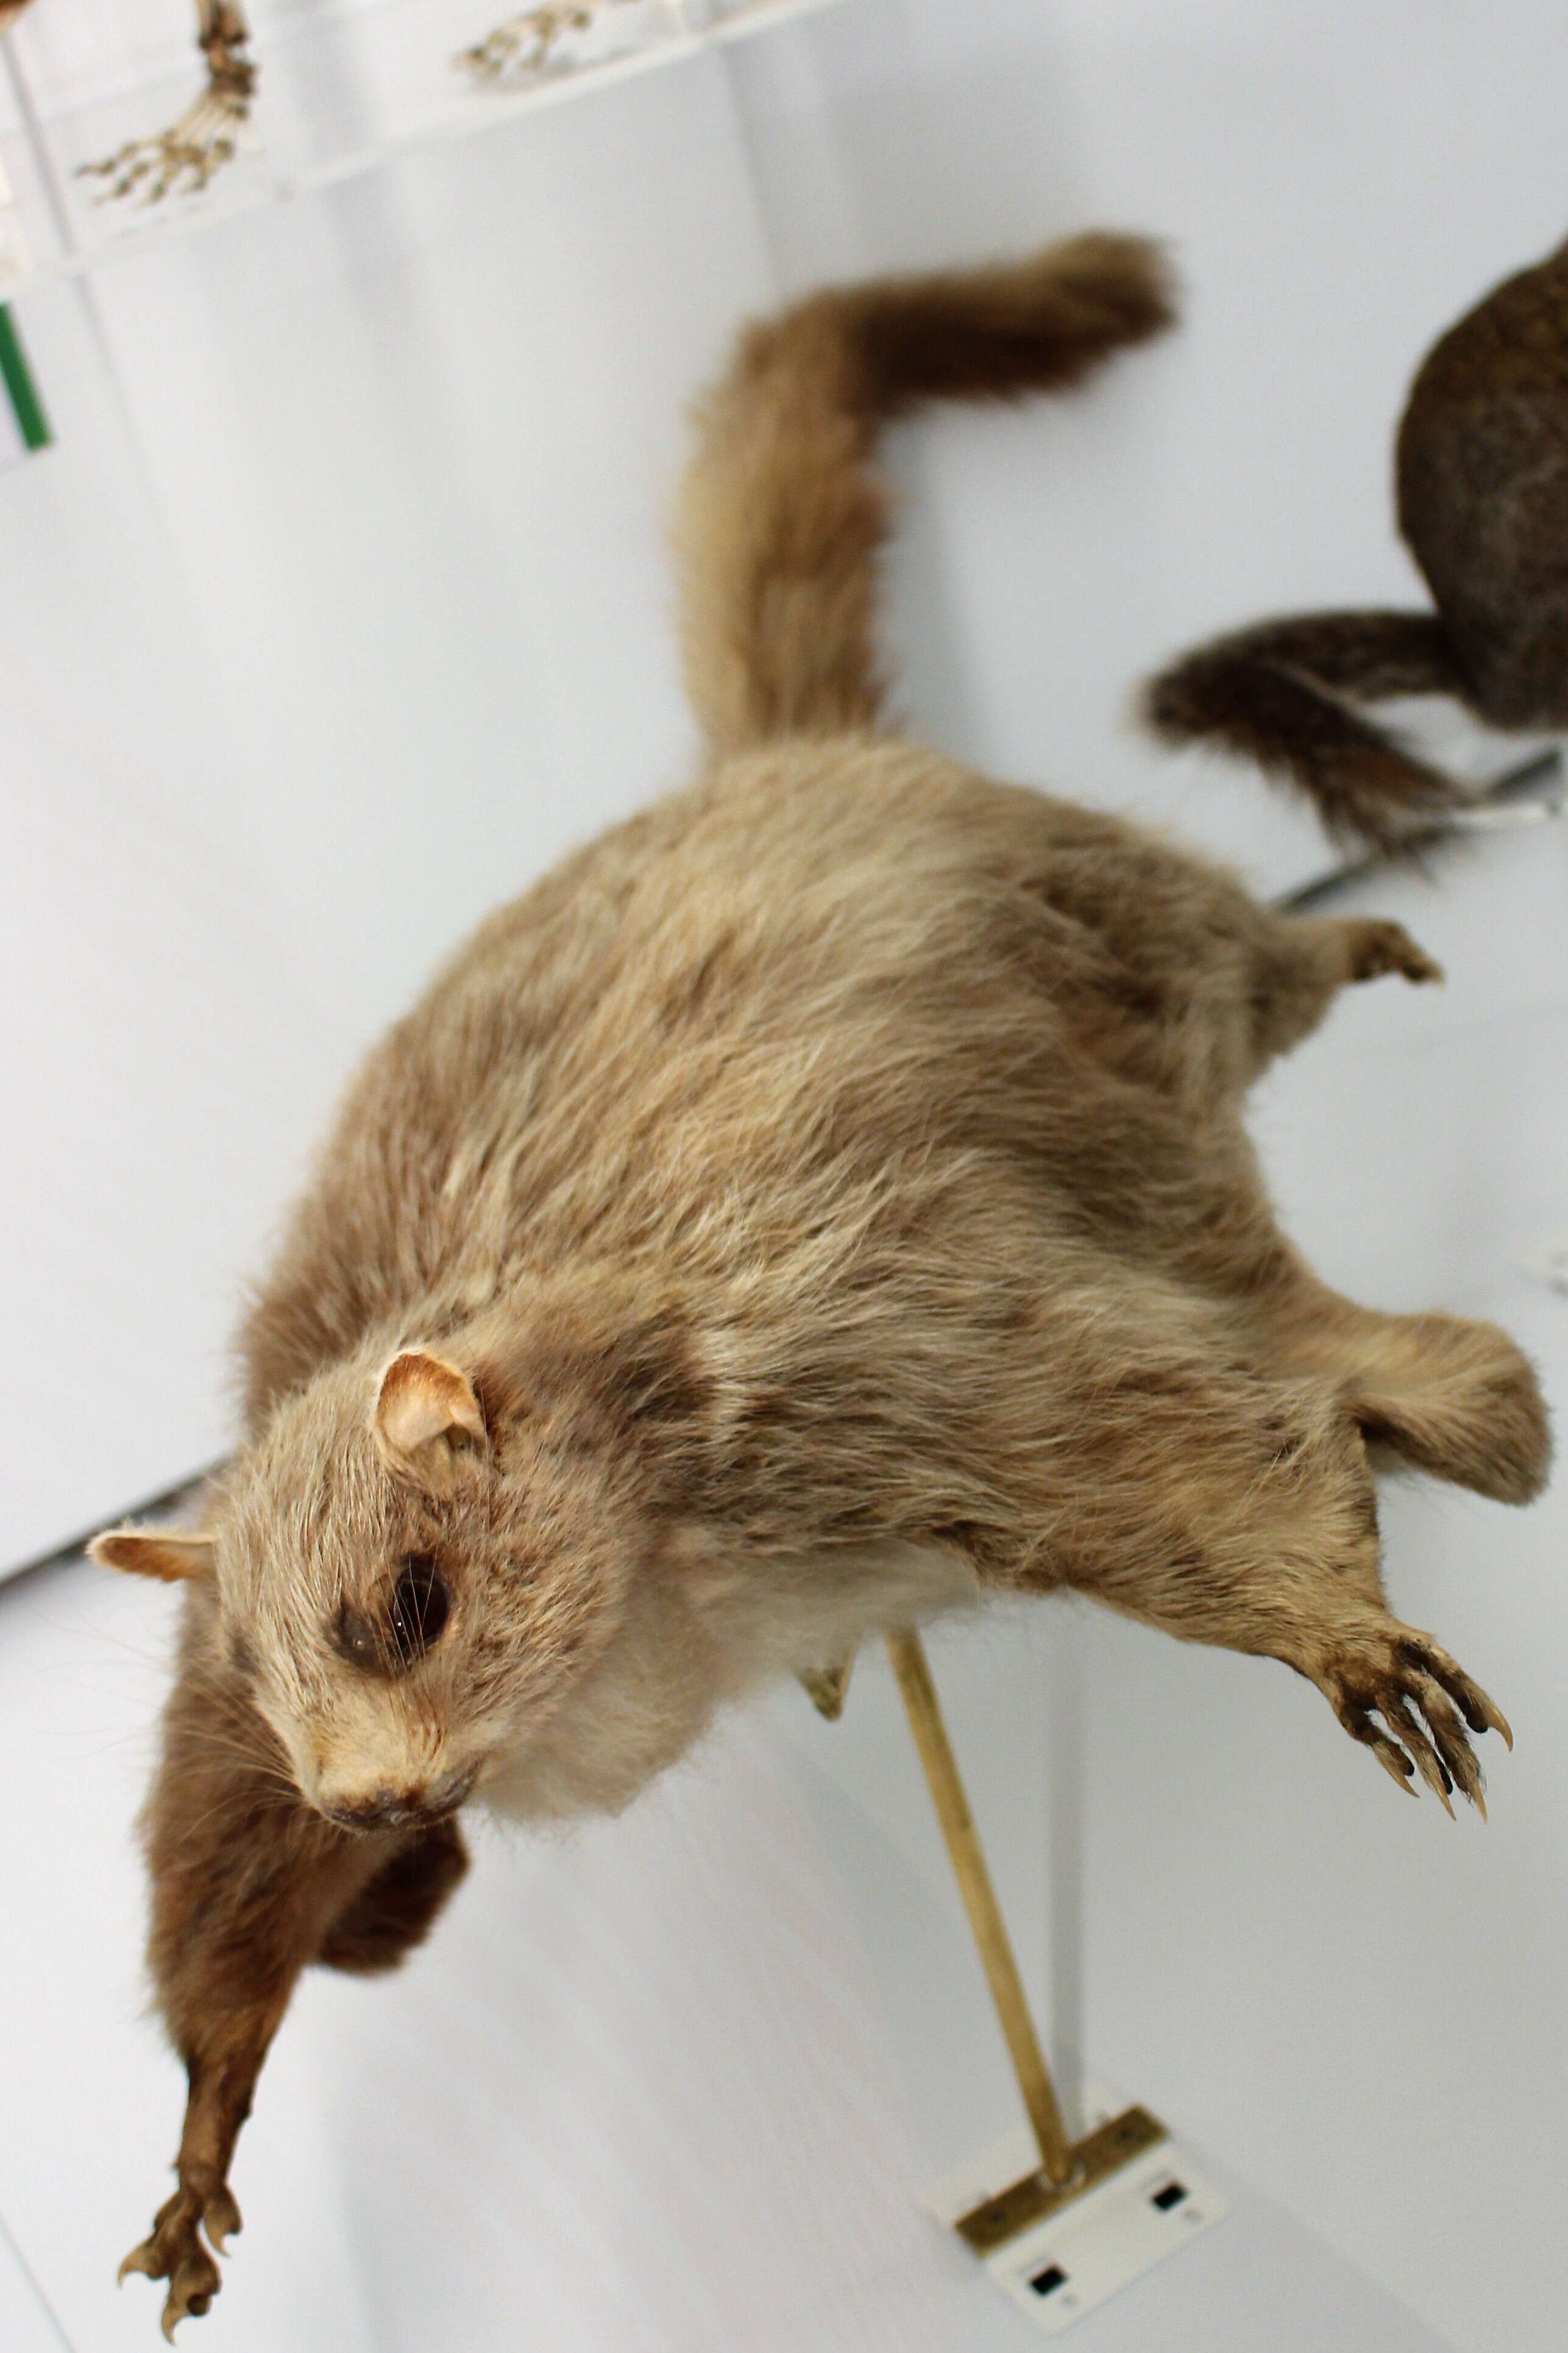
(1375, 948)
(175, 2251)
(1390, 1670)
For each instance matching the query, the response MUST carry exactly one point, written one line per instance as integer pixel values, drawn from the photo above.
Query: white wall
(338, 610)
(355, 613)
(154, 1042)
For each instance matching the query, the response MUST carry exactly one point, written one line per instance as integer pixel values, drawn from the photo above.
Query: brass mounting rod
(907, 1652)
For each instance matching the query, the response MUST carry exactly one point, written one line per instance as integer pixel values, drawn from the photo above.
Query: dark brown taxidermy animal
(821, 1202)
(1482, 470)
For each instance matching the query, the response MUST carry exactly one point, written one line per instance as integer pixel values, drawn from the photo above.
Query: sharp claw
(1400, 1718)
(222, 2219)
(175, 2252)
(1452, 1742)
(1430, 1710)
(1464, 1697)
(1437, 1781)
(1492, 1719)
(1480, 1712)
(182, 2301)
(1483, 1715)
(1466, 1774)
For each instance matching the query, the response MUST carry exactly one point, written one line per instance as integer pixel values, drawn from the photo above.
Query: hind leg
(1452, 1397)
(1303, 962)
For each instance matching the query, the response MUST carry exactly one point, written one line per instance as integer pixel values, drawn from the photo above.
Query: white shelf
(340, 90)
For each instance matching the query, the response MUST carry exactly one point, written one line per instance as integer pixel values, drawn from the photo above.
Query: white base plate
(1076, 2260)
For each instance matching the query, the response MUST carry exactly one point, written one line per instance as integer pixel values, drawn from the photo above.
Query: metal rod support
(909, 1664)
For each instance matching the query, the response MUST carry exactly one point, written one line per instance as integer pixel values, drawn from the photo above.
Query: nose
(393, 1807)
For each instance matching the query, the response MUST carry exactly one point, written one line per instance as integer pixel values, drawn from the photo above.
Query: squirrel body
(822, 1202)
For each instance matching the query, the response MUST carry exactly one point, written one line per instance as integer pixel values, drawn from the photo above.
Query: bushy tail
(782, 511)
(1284, 694)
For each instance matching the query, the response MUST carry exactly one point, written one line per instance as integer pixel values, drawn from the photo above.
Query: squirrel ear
(425, 1410)
(163, 1553)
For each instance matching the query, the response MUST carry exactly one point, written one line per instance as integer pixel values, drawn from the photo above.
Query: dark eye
(419, 1607)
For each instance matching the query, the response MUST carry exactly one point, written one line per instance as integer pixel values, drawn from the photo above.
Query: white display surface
(1063, 2271)
(27, 2326)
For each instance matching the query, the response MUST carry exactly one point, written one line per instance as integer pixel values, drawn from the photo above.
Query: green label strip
(22, 392)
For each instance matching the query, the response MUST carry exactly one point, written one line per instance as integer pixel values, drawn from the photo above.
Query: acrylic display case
(114, 129)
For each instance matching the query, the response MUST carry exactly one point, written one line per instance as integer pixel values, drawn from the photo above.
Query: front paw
(175, 2251)
(1429, 1706)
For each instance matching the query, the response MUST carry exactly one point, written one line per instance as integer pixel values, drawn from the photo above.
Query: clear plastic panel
(109, 133)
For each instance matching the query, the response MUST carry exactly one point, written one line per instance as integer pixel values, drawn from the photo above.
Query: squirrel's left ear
(163, 1553)
(425, 1413)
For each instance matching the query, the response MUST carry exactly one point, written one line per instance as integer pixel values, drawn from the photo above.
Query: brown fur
(783, 513)
(1482, 472)
(822, 1202)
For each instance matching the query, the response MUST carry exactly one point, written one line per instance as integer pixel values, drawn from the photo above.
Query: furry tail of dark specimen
(1285, 695)
(782, 511)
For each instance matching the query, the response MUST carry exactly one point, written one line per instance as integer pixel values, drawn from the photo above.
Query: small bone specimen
(523, 45)
(185, 158)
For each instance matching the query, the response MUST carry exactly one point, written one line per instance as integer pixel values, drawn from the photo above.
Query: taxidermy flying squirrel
(820, 1203)
(1481, 468)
